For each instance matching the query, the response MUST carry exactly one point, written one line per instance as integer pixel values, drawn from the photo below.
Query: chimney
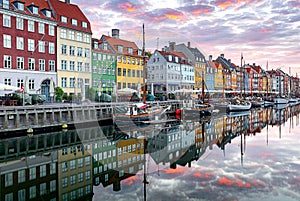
(189, 44)
(253, 64)
(67, 1)
(172, 46)
(115, 33)
(210, 58)
(222, 55)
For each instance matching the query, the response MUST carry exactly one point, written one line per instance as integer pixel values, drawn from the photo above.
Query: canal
(238, 156)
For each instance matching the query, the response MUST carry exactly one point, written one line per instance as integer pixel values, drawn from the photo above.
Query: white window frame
(84, 25)
(42, 65)
(7, 61)
(63, 33)
(31, 64)
(20, 43)
(31, 44)
(6, 20)
(52, 65)
(6, 41)
(20, 63)
(41, 46)
(51, 48)
(19, 23)
(74, 22)
(51, 30)
(64, 19)
(41, 28)
(30, 26)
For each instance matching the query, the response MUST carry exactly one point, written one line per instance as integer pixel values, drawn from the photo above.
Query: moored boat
(239, 105)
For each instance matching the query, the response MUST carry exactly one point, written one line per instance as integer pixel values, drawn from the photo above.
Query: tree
(59, 93)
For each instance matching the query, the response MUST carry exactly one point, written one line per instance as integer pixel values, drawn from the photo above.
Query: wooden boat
(257, 102)
(139, 113)
(280, 100)
(199, 110)
(238, 105)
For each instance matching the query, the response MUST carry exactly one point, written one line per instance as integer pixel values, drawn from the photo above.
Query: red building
(28, 45)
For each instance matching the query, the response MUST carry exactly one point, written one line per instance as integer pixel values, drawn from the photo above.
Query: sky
(264, 31)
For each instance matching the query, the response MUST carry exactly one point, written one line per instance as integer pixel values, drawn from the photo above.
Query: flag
(22, 89)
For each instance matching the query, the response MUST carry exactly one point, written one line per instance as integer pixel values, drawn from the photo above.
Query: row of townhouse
(180, 66)
(50, 42)
(46, 43)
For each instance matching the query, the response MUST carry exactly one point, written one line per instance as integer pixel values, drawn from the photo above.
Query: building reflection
(66, 165)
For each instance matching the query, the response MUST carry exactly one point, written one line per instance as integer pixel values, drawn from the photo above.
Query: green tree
(59, 93)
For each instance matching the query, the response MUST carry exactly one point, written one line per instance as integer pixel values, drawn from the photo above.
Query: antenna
(157, 43)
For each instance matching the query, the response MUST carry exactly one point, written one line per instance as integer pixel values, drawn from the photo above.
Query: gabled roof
(115, 42)
(41, 5)
(70, 11)
(100, 47)
(181, 57)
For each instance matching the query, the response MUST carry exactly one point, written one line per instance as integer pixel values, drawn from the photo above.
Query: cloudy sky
(263, 30)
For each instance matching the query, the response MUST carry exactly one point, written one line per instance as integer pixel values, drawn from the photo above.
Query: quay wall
(44, 117)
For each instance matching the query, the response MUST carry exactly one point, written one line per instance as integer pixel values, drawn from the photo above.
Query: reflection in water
(176, 160)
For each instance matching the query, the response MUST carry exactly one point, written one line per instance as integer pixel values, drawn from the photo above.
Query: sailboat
(139, 112)
(237, 104)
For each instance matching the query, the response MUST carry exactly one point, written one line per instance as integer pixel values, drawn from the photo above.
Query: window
(6, 21)
(63, 33)
(63, 65)
(72, 35)
(21, 176)
(63, 49)
(79, 36)
(86, 38)
(7, 81)
(79, 66)
(80, 162)
(87, 189)
(8, 179)
(43, 188)
(53, 186)
(9, 197)
(51, 30)
(51, 65)
(80, 177)
(48, 13)
(72, 180)
(35, 10)
(79, 51)
(64, 165)
(41, 28)
(65, 197)
(20, 43)
(64, 19)
(42, 64)
(72, 82)
(73, 164)
(87, 160)
(19, 23)
(73, 195)
(87, 175)
(72, 65)
(130, 51)
(64, 182)
(32, 192)
(6, 41)
(72, 50)
(86, 52)
(80, 192)
(120, 48)
(20, 62)
(42, 170)
(30, 26)
(84, 25)
(41, 46)
(64, 82)
(20, 83)
(51, 48)
(124, 72)
(52, 168)
(21, 195)
(31, 84)
(74, 22)
(7, 61)
(30, 45)
(87, 67)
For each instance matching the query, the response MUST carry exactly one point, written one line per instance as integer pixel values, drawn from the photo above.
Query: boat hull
(237, 107)
(280, 101)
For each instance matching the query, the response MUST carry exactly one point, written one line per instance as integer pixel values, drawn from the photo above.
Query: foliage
(59, 93)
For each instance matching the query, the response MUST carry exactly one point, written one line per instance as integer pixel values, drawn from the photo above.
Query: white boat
(268, 103)
(257, 102)
(239, 105)
(280, 100)
(293, 100)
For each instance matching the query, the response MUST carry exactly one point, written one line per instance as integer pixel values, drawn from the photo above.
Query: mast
(203, 87)
(144, 68)
(242, 74)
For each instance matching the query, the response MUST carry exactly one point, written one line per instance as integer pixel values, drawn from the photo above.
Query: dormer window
(170, 58)
(74, 22)
(130, 51)
(104, 46)
(140, 52)
(48, 13)
(96, 44)
(120, 48)
(6, 4)
(19, 5)
(35, 10)
(84, 25)
(176, 59)
(64, 19)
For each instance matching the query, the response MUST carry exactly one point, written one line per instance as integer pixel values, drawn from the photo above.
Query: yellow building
(218, 75)
(73, 49)
(129, 64)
